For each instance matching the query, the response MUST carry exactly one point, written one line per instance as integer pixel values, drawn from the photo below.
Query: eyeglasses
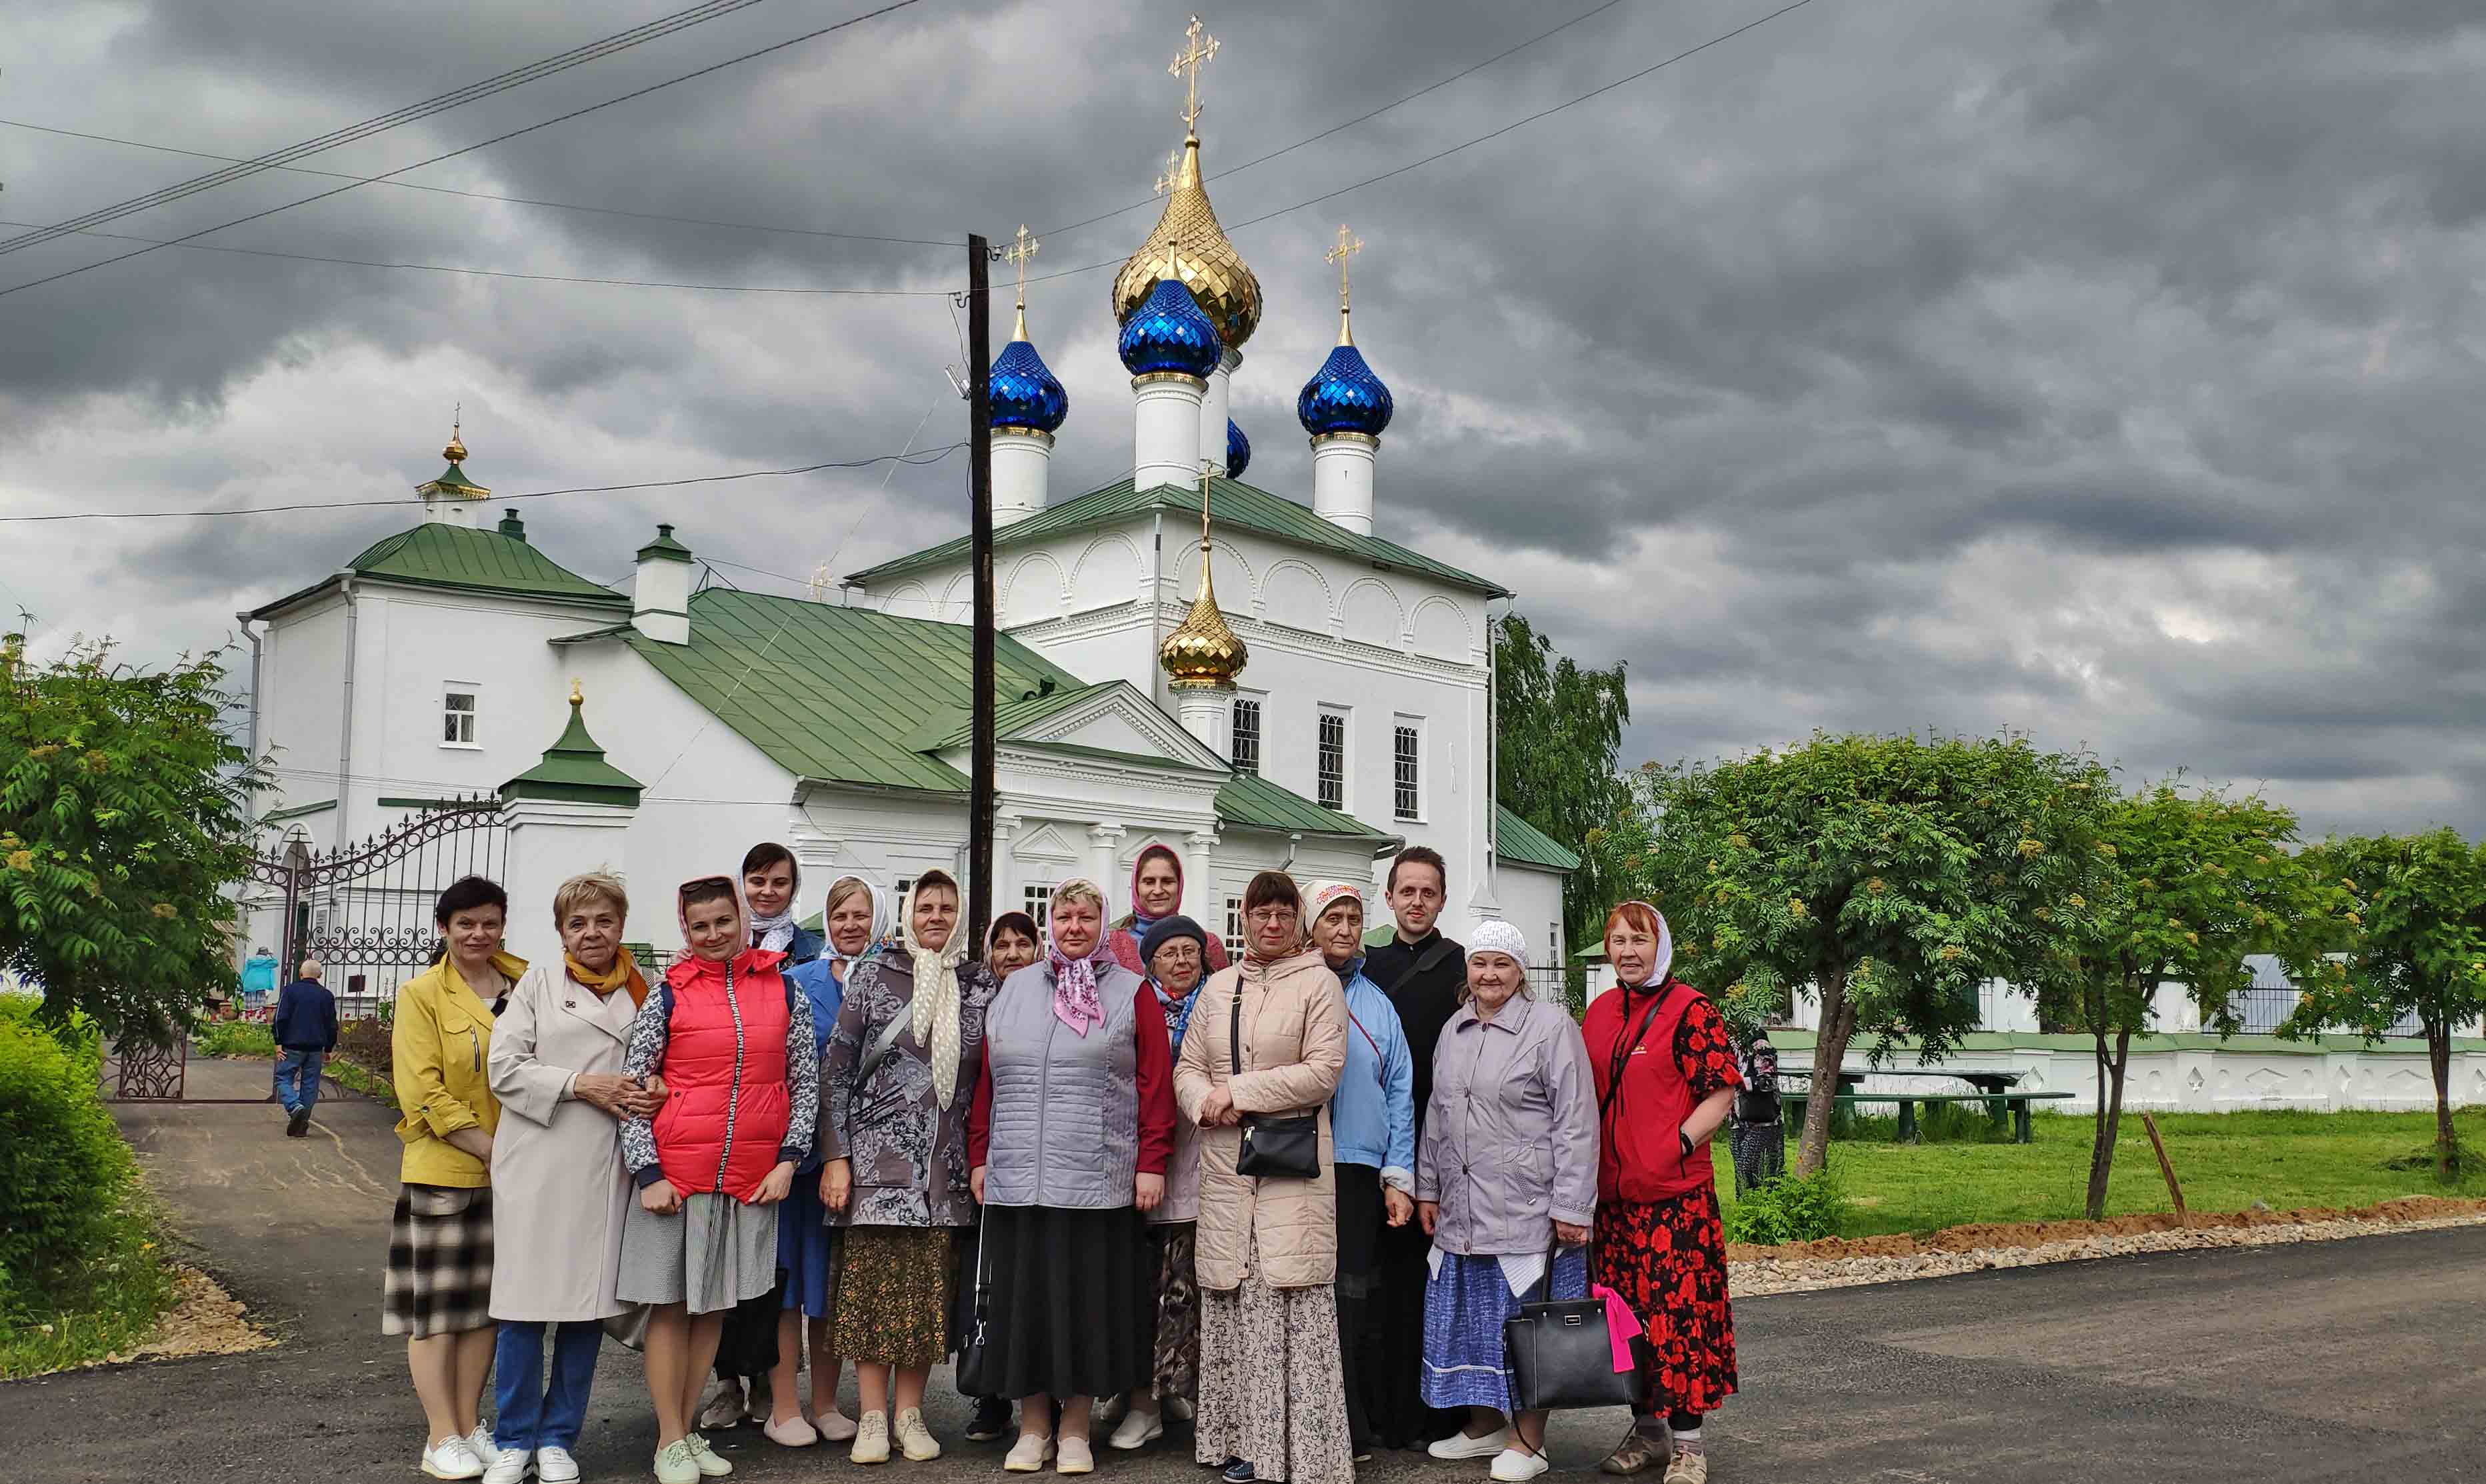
(1269, 915)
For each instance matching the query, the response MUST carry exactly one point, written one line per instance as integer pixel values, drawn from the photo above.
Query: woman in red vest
(733, 1040)
(1666, 1076)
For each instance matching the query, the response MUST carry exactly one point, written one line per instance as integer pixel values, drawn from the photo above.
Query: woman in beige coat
(555, 1068)
(1272, 1390)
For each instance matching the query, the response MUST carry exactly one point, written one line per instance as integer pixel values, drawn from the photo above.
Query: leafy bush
(65, 1174)
(234, 1039)
(1786, 1208)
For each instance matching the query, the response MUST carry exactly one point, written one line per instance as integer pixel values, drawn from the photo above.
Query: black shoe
(990, 1419)
(1238, 1471)
(299, 1124)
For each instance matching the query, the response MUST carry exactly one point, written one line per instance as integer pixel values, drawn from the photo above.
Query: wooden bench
(2017, 1104)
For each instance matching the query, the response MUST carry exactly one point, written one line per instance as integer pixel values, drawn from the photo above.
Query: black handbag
(1562, 1355)
(1562, 1350)
(1286, 1147)
(977, 1369)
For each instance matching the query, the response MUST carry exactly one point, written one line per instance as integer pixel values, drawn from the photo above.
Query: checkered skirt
(439, 1277)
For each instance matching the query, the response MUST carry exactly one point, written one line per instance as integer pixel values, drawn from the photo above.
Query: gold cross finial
(1172, 172)
(1348, 245)
(1199, 48)
(577, 696)
(816, 589)
(1204, 469)
(1025, 248)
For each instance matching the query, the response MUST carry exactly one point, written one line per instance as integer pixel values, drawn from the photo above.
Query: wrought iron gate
(365, 911)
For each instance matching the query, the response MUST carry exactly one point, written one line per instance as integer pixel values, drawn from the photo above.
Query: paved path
(2315, 1362)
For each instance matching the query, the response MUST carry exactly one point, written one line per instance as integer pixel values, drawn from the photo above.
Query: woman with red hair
(1666, 1076)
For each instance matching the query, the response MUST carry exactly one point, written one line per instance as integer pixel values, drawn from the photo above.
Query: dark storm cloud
(2105, 369)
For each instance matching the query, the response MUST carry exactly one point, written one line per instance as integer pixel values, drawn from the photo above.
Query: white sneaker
(452, 1458)
(1517, 1465)
(914, 1439)
(1076, 1457)
(1461, 1445)
(510, 1466)
(555, 1466)
(1032, 1452)
(709, 1465)
(1138, 1430)
(723, 1409)
(870, 1439)
(676, 1464)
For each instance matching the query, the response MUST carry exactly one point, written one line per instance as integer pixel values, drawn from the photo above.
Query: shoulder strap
(1627, 1043)
(1235, 1026)
(883, 1044)
(1425, 963)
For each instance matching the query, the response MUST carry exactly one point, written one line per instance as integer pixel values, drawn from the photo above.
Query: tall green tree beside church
(1558, 729)
(123, 822)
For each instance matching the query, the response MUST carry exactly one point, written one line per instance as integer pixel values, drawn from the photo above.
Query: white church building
(1264, 681)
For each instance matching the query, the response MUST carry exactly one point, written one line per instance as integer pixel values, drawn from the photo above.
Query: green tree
(2415, 921)
(2178, 887)
(122, 823)
(1557, 729)
(1892, 875)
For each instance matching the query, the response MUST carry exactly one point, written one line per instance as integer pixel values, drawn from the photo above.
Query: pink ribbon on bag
(1622, 1326)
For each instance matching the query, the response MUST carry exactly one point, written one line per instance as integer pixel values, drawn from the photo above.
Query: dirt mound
(1989, 1236)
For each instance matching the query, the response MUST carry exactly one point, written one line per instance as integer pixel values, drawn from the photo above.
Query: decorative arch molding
(1373, 614)
(1107, 572)
(957, 600)
(1232, 562)
(909, 601)
(1439, 629)
(1294, 594)
(1035, 589)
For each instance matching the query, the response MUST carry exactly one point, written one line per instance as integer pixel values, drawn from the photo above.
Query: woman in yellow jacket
(439, 1286)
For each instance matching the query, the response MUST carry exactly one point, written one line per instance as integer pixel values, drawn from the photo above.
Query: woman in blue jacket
(1372, 1128)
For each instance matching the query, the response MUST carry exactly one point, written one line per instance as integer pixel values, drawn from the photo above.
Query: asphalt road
(2316, 1361)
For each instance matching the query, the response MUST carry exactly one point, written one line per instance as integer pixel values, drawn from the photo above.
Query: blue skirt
(806, 1247)
(1465, 1303)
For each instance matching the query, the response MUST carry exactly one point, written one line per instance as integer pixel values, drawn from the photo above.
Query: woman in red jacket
(1666, 1076)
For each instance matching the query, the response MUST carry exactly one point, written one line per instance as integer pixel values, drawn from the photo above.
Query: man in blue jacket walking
(305, 1030)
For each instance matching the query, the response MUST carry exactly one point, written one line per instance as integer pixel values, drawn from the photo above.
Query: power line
(444, 190)
(532, 278)
(1336, 128)
(577, 56)
(916, 459)
(854, 20)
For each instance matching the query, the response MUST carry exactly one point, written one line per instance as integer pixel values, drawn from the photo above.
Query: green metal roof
(1250, 799)
(1231, 502)
(438, 554)
(573, 768)
(956, 726)
(1517, 841)
(454, 477)
(837, 694)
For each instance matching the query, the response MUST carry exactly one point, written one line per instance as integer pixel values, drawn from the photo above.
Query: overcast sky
(2105, 369)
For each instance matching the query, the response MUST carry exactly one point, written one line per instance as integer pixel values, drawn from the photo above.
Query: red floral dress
(1668, 1258)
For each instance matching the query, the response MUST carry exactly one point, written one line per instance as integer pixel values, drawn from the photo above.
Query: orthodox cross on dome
(1017, 255)
(1205, 469)
(1199, 46)
(577, 694)
(455, 453)
(1348, 245)
(1172, 175)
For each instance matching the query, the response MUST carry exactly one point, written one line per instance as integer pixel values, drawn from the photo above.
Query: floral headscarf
(1074, 979)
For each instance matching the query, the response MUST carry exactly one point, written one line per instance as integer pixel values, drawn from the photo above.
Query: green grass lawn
(2225, 1161)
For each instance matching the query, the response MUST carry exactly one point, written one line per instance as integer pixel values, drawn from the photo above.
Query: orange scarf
(624, 970)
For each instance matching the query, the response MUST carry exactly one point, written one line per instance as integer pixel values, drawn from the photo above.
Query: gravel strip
(1751, 1276)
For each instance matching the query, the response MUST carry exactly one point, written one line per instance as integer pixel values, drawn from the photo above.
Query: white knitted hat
(1494, 936)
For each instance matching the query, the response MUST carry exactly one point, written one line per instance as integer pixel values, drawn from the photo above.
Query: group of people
(1292, 1198)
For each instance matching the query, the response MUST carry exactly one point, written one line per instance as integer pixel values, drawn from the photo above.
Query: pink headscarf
(1075, 1001)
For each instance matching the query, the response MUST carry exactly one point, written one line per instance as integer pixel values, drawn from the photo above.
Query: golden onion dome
(1189, 244)
(1202, 652)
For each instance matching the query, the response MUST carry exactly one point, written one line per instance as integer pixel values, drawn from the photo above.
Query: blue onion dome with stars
(1167, 333)
(1025, 392)
(1344, 397)
(1238, 450)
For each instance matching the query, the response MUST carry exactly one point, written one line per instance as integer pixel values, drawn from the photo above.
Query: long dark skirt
(748, 1347)
(1361, 1218)
(1074, 1300)
(1178, 1341)
(1396, 1411)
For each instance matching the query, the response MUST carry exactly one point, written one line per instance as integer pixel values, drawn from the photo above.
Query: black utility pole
(979, 485)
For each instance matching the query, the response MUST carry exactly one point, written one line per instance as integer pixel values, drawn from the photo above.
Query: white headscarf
(1664, 957)
(936, 989)
(1494, 936)
(881, 926)
(775, 934)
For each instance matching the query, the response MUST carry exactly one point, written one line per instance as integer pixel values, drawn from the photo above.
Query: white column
(1022, 469)
(1166, 425)
(1342, 480)
(1207, 712)
(1104, 842)
(1214, 411)
(550, 841)
(1200, 901)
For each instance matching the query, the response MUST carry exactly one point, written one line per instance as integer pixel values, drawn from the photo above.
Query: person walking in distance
(1424, 975)
(1757, 1137)
(305, 1032)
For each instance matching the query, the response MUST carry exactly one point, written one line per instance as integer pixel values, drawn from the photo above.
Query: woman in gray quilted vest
(1068, 1139)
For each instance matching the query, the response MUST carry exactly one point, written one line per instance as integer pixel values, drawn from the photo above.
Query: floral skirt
(892, 1288)
(1272, 1383)
(1178, 1343)
(1667, 1259)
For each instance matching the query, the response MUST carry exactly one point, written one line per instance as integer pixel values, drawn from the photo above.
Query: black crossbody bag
(1562, 1350)
(1286, 1147)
